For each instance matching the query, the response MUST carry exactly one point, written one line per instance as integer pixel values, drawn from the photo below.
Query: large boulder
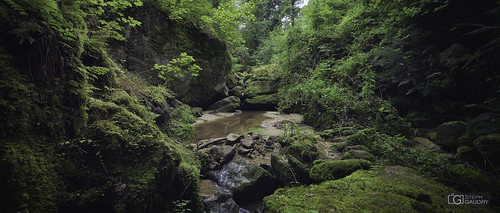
(484, 124)
(329, 170)
(261, 88)
(269, 101)
(159, 40)
(261, 183)
(248, 182)
(232, 138)
(449, 133)
(228, 104)
(216, 156)
(281, 170)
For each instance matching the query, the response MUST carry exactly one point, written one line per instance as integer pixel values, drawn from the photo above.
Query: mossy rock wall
(159, 40)
(73, 142)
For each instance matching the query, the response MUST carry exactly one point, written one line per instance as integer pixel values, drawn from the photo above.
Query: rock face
(158, 40)
(261, 88)
(229, 104)
(448, 134)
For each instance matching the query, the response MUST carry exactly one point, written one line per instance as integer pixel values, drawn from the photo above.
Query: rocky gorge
(249, 106)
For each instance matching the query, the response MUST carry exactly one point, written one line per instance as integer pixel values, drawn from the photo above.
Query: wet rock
(220, 202)
(484, 124)
(330, 170)
(257, 136)
(261, 184)
(228, 104)
(243, 151)
(233, 139)
(218, 155)
(448, 134)
(247, 143)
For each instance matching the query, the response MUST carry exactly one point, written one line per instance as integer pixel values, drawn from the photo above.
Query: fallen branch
(210, 142)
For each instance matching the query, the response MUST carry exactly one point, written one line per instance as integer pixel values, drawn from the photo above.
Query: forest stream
(256, 130)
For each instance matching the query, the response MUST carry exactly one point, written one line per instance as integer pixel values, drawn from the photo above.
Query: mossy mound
(134, 165)
(303, 148)
(448, 134)
(388, 189)
(329, 170)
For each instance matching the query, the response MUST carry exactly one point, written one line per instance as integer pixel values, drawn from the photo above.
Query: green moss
(358, 154)
(363, 137)
(282, 171)
(271, 99)
(303, 150)
(330, 170)
(448, 134)
(260, 87)
(29, 178)
(389, 189)
(469, 178)
(180, 125)
(300, 170)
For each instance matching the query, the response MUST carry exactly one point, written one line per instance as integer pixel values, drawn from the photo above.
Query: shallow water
(237, 123)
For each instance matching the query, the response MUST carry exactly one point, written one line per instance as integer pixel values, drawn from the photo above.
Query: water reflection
(239, 123)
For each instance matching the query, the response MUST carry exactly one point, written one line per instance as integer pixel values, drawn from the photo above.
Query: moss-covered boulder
(303, 149)
(261, 88)
(471, 179)
(449, 133)
(489, 145)
(388, 189)
(300, 170)
(357, 154)
(330, 170)
(282, 171)
(257, 87)
(228, 104)
(261, 184)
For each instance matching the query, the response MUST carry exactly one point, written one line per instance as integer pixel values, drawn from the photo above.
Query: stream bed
(234, 164)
